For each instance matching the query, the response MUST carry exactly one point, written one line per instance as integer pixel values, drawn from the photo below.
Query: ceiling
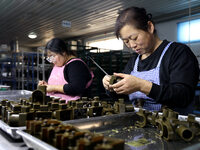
(87, 17)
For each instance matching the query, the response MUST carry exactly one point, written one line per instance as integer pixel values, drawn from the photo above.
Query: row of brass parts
(170, 127)
(39, 105)
(68, 137)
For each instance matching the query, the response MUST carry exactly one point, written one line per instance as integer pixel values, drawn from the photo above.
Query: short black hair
(58, 46)
(133, 16)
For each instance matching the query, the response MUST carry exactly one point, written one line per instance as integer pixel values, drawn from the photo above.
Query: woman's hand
(55, 88)
(42, 83)
(130, 84)
(106, 83)
(50, 88)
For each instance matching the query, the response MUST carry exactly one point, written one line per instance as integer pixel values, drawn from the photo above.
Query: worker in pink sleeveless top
(70, 76)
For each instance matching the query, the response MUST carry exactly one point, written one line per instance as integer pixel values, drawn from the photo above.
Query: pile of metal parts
(170, 127)
(41, 106)
(65, 137)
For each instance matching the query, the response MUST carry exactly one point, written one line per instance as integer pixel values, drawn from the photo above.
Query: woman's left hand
(130, 84)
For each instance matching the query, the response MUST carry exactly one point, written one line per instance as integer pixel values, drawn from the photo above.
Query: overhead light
(32, 35)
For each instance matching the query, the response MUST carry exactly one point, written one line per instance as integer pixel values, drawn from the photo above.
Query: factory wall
(168, 30)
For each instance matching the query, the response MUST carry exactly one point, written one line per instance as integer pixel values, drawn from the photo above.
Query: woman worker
(161, 73)
(70, 76)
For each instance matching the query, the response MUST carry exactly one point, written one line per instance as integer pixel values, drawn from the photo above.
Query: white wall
(168, 30)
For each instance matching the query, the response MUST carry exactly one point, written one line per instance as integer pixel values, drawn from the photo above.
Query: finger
(110, 88)
(119, 90)
(108, 78)
(105, 83)
(40, 83)
(122, 75)
(106, 87)
(118, 84)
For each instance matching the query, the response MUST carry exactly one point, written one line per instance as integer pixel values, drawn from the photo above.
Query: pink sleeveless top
(57, 78)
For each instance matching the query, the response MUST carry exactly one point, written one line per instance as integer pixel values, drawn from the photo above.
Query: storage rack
(7, 68)
(23, 70)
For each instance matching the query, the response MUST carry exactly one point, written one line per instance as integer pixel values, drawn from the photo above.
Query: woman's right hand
(106, 84)
(40, 83)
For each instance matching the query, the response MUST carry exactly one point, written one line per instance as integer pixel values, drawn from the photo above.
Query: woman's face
(138, 40)
(55, 58)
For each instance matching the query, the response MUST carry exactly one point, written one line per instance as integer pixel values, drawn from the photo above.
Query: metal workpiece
(143, 116)
(174, 128)
(39, 95)
(169, 126)
(62, 114)
(114, 79)
(94, 110)
(107, 109)
(152, 118)
(121, 107)
(129, 108)
(79, 112)
(114, 126)
(184, 132)
(123, 126)
(96, 98)
(66, 136)
(16, 114)
(193, 124)
(35, 126)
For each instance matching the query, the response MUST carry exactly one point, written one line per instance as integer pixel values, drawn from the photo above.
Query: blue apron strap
(163, 53)
(135, 69)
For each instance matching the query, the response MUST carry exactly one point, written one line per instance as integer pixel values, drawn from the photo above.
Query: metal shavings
(116, 131)
(140, 142)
